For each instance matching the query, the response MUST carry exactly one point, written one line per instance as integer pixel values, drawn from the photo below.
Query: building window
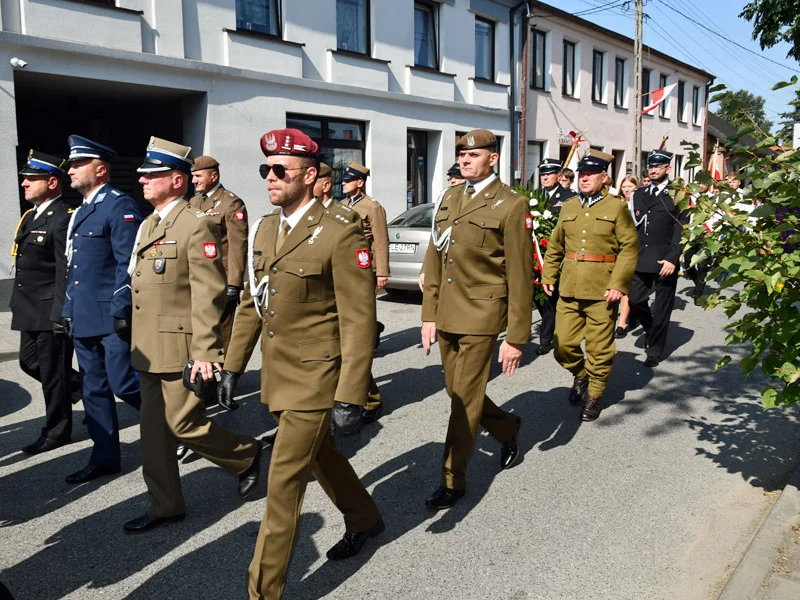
(538, 74)
(425, 46)
(416, 168)
(696, 105)
(646, 86)
(598, 76)
(533, 158)
(258, 15)
(568, 72)
(662, 83)
(484, 49)
(620, 89)
(682, 101)
(352, 25)
(340, 142)
(678, 165)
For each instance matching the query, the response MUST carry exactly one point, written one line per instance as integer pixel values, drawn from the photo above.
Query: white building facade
(580, 77)
(388, 83)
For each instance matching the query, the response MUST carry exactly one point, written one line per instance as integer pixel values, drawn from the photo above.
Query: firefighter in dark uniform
(659, 226)
(549, 172)
(45, 351)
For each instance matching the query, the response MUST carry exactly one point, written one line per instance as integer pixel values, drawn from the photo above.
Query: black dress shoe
(545, 348)
(510, 450)
(620, 332)
(44, 444)
(91, 472)
(378, 333)
(146, 523)
(444, 498)
(181, 450)
(580, 387)
(269, 439)
(370, 416)
(249, 479)
(591, 409)
(352, 543)
(651, 361)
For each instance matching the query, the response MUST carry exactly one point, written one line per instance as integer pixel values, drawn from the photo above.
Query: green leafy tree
(789, 118)
(775, 21)
(741, 108)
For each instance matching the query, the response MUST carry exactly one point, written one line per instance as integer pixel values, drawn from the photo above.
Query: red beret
(292, 142)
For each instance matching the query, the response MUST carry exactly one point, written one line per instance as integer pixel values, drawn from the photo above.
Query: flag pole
(574, 147)
(637, 91)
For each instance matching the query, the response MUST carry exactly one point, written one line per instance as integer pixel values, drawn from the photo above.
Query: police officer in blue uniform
(97, 308)
(45, 351)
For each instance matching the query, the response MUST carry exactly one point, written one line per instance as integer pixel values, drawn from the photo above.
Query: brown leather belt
(584, 257)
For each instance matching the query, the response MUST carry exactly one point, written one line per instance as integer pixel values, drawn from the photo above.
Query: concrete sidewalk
(770, 568)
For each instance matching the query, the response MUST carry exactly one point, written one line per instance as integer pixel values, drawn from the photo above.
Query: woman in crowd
(627, 187)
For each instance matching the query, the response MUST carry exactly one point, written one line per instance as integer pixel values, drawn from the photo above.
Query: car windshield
(420, 216)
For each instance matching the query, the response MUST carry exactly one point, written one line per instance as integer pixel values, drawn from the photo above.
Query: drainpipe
(512, 109)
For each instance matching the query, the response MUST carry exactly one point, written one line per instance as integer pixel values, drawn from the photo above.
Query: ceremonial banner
(657, 97)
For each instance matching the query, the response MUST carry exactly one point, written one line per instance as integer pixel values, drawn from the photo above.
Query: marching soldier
(97, 305)
(45, 351)
(228, 213)
(478, 282)
(549, 172)
(594, 247)
(179, 296)
(373, 222)
(311, 292)
(660, 229)
(323, 186)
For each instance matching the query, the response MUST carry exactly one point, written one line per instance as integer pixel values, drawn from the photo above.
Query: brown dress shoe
(591, 409)
(580, 388)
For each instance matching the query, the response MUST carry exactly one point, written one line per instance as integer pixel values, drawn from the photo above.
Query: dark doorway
(417, 168)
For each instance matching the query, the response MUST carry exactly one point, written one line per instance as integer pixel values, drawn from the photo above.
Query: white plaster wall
(8, 158)
(203, 22)
(167, 23)
(429, 85)
(263, 55)
(313, 23)
(352, 70)
(393, 38)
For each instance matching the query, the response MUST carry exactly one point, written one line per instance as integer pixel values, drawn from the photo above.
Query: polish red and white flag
(657, 97)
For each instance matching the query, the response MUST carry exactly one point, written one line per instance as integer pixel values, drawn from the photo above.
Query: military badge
(470, 140)
(528, 222)
(129, 218)
(159, 265)
(362, 258)
(314, 235)
(40, 238)
(270, 142)
(239, 215)
(153, 251)
(210, 249)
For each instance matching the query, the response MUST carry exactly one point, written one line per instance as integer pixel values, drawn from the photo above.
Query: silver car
(409, 235)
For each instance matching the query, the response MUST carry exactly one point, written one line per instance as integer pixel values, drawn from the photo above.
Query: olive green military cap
(355, 171)
(205, 162)
(324, 171)
(477, 138)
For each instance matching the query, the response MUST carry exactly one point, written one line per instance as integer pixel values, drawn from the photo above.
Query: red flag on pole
(657, 97)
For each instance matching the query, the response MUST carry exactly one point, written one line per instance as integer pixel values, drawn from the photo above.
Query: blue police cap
(355, 171)
(81, 148)
(39, 163)
(659, 157)
(454, 171)
(163, 155)
(594, 160)
(549, 165)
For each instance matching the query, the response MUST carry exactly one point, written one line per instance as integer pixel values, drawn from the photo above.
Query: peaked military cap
(39, 163)
(594, 160)
(163, 155)
(204, 162)
(549, 165)
(455, 171)
(659, 157)
(324, 171)
(81, 148)
(355, 171)
(289, 142)
(477, 138)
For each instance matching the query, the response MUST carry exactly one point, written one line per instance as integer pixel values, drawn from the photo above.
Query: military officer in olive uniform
(373, 222)
(549, 172)
(229, 214)
(45, 351)
(311, 292)
(478, 283)
(178, 285)
(660, 227)
(591, 254)
(323, 186)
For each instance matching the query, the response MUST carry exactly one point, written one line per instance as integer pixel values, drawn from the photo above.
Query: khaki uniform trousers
(466, 360)
(225, 329)
(303, 446)
(592, 320)
(169, 412)
(373, 395)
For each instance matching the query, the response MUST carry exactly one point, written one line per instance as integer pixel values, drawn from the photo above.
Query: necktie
(154, 223)
(470, 192)
(282, 235)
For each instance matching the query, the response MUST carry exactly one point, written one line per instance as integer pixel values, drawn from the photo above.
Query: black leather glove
(225, 389)
(67, 321)
(347, 418)
(60, 328)
(123, 328)
(232, 296)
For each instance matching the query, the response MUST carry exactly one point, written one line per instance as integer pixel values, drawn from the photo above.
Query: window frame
(681, 101)
(433, 7)
(620, 87)
(696, 105)
(492, 36)
(367, 33)
(598, 97)
(278, 20)
(565, 74)
(663, 81)
(538, 34)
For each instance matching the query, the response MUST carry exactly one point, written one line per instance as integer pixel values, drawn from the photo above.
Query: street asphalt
(658, 499)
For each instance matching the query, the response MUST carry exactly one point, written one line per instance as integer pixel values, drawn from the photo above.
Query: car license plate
(402, 248)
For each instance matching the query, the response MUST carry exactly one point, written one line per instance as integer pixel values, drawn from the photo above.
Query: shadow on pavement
(14, 396)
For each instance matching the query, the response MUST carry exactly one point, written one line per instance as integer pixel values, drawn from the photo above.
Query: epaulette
(231, 194)
(200, 214)
(70, 211)
(345, 208)
(336, 213)
(116, 192)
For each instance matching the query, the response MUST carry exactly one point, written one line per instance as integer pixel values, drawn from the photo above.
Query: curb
(759, 558)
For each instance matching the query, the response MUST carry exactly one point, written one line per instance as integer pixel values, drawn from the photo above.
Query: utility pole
(637, 91)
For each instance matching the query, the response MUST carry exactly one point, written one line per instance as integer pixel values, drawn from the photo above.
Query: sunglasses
(279, 170)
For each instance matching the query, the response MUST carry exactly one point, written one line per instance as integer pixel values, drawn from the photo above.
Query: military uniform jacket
(659, 229)
(178, 292)
(482, 281)
(41, 269)
(98, 287)
(373, 222)
(560, 195)
(605, 227)
(318, 334)
(227, 211)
